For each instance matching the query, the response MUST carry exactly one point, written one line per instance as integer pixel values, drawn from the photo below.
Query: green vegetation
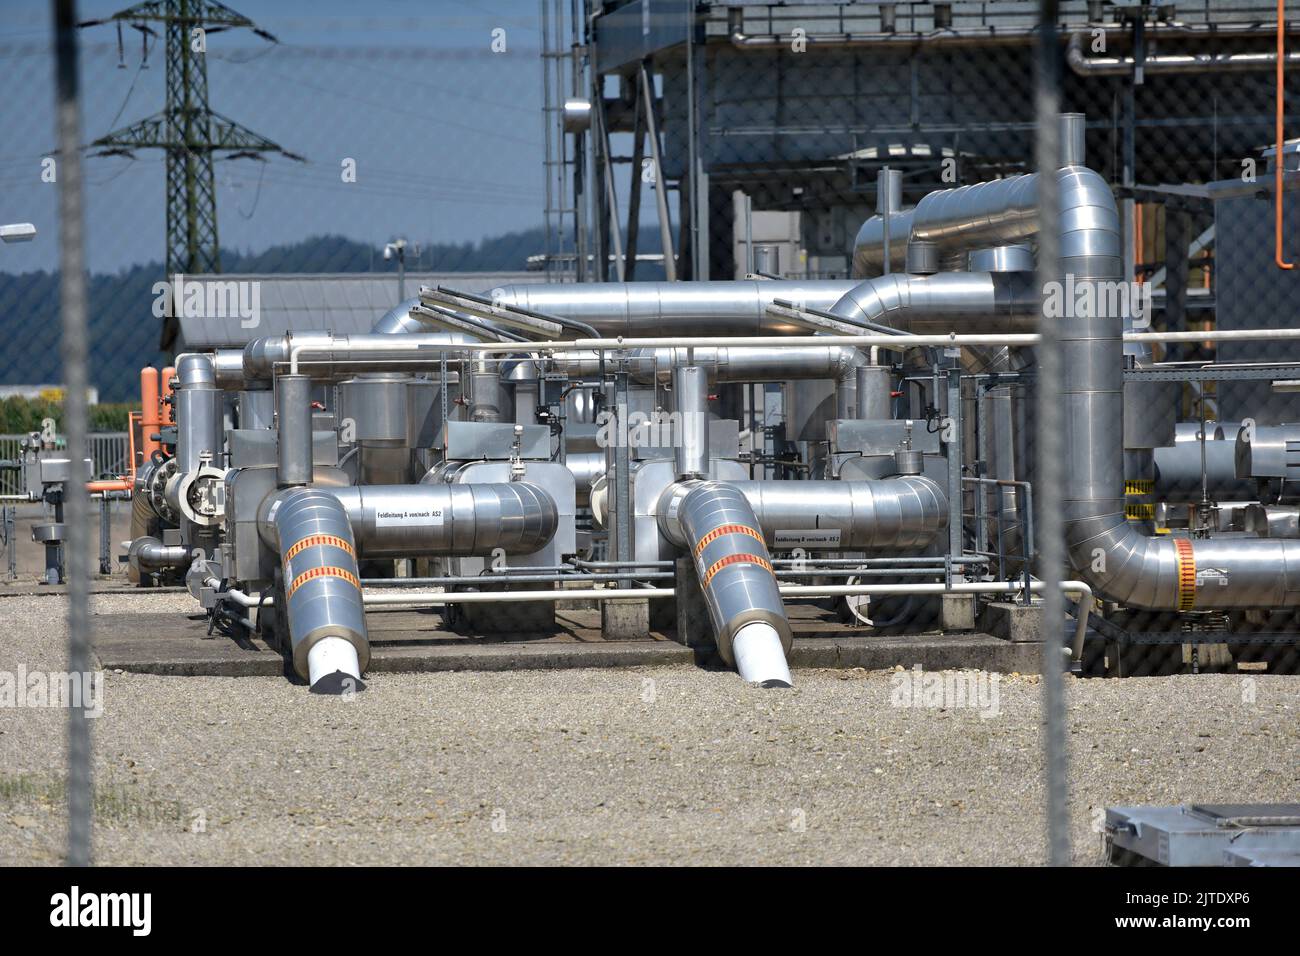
(20, 415)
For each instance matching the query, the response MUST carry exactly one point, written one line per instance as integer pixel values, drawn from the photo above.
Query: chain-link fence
(1089, 195)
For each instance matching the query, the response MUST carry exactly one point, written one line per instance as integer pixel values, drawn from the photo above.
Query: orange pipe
(1278, 162)
(115, 484)
(131, 419)
(165, 395)
(149, 423)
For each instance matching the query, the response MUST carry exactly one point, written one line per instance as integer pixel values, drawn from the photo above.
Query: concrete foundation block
(957, 612)
(1013, 621)
(694, 625)
(625, 620)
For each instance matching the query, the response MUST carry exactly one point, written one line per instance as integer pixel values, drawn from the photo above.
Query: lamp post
(18, 232)
(398, 248)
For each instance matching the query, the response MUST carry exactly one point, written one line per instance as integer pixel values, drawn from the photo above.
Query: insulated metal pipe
(715, 523)
(1158, 573)
(322, 587)
(686, 308)
(1000, 212)
(1124, 565)
(875, 392)
(1179, 473)
(586, 466)
(893, 513)
(691, 408)
(228, 369)
(724, 364)
(335, 357)
(150, 554)
(293, 423)
(399, 320)
(395, 521)
(198, 411)
(981, 302)
(256, 408)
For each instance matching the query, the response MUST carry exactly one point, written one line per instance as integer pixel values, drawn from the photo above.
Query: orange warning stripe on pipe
(1186, 574)
(734, 559)
(312, 540)
(718, 532)
(327, 571)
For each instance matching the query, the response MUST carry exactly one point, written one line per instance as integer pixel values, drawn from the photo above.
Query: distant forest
(124, 332)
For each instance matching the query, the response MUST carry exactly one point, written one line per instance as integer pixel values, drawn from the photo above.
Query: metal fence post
(1049, 440)
(72, 300)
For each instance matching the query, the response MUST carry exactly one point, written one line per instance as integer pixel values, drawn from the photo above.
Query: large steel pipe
(685, 308)
(397, 521)
(322, 587)
(726, 364)
(1182, 476)
(1001, 212)
(691, 409)
(1158, 573)
(586, 466)
(715, 524)
(198, 411)
(294, 430)
(982, 302)
(893, 513)
(150, 554)
(329, 357)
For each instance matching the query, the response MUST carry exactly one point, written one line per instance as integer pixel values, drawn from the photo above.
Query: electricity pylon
(187, 130)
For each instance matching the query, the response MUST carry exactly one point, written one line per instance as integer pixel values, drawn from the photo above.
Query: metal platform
(1231, 834)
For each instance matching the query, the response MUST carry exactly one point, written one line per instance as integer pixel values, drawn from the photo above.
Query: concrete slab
(415, 641)
(931, 651)
(30, 587)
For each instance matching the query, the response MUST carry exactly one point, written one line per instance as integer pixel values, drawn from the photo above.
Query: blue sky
(446, 134)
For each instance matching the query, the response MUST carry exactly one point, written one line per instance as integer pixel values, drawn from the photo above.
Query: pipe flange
(155, 490)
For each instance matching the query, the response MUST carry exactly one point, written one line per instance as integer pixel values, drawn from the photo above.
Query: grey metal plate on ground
(1249, 857)
(1204, 835)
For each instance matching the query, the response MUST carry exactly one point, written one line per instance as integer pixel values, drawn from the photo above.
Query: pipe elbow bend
(523, 517)
(873, 300)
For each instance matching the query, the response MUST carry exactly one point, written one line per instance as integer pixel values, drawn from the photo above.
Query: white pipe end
(760, 658)
(333, 667)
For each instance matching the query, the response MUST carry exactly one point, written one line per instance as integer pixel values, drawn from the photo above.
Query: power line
(187, 130)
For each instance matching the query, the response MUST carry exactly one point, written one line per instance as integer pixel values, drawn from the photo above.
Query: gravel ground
(653, 765)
